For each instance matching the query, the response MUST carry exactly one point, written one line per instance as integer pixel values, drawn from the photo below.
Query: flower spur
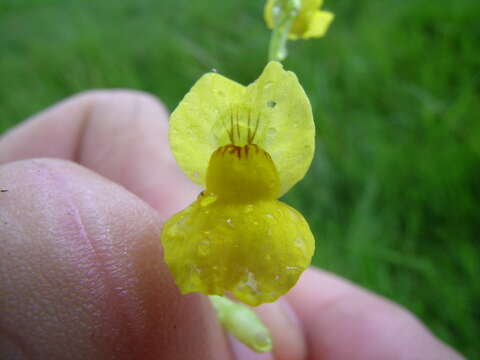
(247, 146)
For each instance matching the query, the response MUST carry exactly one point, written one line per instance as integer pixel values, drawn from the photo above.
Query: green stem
(243, 323)
(284, 13)
(278, 45)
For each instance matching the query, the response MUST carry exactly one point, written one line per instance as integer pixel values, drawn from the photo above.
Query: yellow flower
(310, 22)
(247, 146)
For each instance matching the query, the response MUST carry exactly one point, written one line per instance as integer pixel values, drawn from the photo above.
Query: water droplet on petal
(251, 282)
(292, 268)
(208, 200)
(203, 248)
(271, 104)
(271, 132)
(299, 243)
(248, 208)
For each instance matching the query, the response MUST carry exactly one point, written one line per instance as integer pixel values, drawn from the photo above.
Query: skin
(90, 182)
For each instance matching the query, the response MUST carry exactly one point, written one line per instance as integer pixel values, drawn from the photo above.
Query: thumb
(82, 277)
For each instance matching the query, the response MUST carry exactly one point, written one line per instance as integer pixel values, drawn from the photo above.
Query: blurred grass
(392, 195)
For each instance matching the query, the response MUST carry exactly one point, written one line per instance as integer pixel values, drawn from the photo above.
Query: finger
(286, 330)
(81, 275)
(343, 321)
(119, 134)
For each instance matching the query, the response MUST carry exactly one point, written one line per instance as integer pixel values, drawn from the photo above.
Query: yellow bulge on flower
(247, 146)
(310, 22)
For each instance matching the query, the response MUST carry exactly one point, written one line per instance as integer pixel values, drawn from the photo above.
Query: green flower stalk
(281, 14)
(242, 322)
(292, 20)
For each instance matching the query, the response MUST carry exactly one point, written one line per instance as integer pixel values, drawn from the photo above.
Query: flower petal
(256, 251)
(194, 130)
(218, 111)
(318, 24)
(311, 5)
(306, 6)
(286, 129)
(268, 13)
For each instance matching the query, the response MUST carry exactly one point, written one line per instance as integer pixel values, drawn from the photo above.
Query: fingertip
(83, 274)
(344, 321)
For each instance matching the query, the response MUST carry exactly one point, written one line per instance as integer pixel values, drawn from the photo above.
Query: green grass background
(392, 195)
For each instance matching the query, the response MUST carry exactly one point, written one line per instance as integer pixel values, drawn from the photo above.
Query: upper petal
(318, 24)
(273, 112)
(310, 5)
(306, 6)
(287, 129)
(195, 132)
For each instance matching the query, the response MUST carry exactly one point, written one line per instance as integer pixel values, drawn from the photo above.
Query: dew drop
(248, 208)
(271, 104)
(271, 131)
(299, 242)
(203, 248)
(208, 200)
(292, 268)
(251, 282)
(293, 215)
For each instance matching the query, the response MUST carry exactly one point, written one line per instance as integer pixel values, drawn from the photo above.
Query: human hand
(81, 269)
